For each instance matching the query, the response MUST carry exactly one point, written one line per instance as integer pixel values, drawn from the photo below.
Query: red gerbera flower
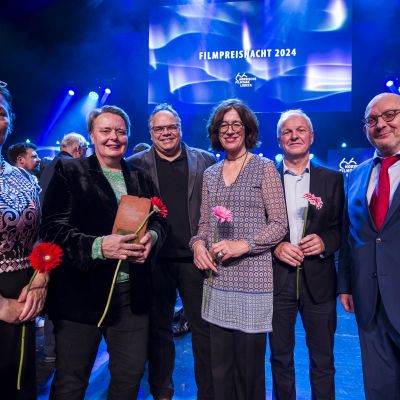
(159, 207)
(45, 257)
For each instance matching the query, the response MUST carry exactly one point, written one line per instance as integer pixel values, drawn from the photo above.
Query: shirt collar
(377, 158)
(286, 170)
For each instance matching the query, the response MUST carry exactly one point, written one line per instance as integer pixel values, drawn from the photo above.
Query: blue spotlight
(311, 156)
(278, 157)
(106, 93)
(27, 141)
(389, 83)
(344, 145)
(58, 142)
(218, 155)
(71, 92)
(93, 96)
(261, 154)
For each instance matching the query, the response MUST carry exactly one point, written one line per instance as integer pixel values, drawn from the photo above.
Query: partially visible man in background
(23, 155)
(73, 145)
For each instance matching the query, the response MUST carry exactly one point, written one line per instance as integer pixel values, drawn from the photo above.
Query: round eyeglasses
(236, 127)
(387, 116)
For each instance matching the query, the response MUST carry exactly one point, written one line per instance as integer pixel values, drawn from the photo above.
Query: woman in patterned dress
(238, 302)
(19, 225)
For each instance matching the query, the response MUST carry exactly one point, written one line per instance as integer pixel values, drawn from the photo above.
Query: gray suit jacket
(198, 161)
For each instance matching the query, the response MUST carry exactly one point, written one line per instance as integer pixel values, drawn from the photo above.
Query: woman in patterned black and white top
(19, 225)
(238, 303)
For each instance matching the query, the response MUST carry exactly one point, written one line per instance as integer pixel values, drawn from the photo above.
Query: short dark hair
(8, 103)
(246, 115)
(164, 107)
(19, 149)
(112, 110)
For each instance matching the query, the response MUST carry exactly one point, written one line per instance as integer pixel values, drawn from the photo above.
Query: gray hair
(112, 110)
(72, 138)
(287, 114)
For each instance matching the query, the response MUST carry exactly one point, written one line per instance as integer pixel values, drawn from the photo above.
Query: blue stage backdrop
(274, 55)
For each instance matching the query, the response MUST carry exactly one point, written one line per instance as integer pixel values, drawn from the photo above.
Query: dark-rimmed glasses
(170, 128)
(236, 127)
(387, 116)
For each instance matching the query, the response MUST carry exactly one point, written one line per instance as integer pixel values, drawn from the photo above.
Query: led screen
(274, 55)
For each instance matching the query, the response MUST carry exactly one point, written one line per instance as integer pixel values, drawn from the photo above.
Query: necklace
(237, 158)
(240, 170)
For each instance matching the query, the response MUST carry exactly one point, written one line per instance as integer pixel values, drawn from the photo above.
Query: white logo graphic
(347, 166)
(243, 80)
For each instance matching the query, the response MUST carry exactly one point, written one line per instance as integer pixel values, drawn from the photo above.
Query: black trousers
(11, 284)
(77, 344)
(380, 352)
(167, 278)
(319, 321)
(238, 364)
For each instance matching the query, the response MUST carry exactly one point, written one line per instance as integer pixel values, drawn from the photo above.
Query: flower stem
(117, 270)
(110, 293)
(207, 288)
(144, 221)
(22, 354)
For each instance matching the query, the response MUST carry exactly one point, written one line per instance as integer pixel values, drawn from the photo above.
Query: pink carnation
(314, 200)
(222, 214)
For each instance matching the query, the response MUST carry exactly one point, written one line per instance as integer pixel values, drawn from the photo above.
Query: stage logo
(346, 167)
(243, 80)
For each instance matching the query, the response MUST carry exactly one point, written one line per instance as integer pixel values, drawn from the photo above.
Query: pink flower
(314, 200)
(222, 214)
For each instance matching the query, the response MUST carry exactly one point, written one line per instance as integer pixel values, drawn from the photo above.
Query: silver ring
(220, 254)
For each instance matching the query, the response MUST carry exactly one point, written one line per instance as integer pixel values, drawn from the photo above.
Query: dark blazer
(79, 206)
(198, 161)
(319, 272)
(369, 260)
(48, 172)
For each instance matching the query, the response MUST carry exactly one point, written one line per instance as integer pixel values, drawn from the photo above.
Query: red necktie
(379, 203)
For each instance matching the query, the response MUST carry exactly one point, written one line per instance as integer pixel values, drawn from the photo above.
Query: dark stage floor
(347, 353)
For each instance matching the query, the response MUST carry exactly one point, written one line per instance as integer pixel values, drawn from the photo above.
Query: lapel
(150, 160)
(131, 179)
(316, 189)
(192, 169)
(101, 185)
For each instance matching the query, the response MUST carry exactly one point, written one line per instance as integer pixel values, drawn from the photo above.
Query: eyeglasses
(170, 128)
(387, 116)
(236, 126)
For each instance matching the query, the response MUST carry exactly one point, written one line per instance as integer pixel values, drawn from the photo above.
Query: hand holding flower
(312, 245)
(289, 253)
(202, 257)
(229, 249)
(33, 297)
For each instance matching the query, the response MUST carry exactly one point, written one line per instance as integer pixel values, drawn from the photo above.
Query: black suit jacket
(319, 272)
(79, 206)
(48, 172)
(198, 161)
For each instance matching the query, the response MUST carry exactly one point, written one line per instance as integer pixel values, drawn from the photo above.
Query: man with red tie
(369, 268)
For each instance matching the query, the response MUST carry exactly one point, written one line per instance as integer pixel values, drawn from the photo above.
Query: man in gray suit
(369, 268)
(177, 171)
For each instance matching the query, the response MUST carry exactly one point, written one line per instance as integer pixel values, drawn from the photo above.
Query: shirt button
(374, 274)
(378, 240)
